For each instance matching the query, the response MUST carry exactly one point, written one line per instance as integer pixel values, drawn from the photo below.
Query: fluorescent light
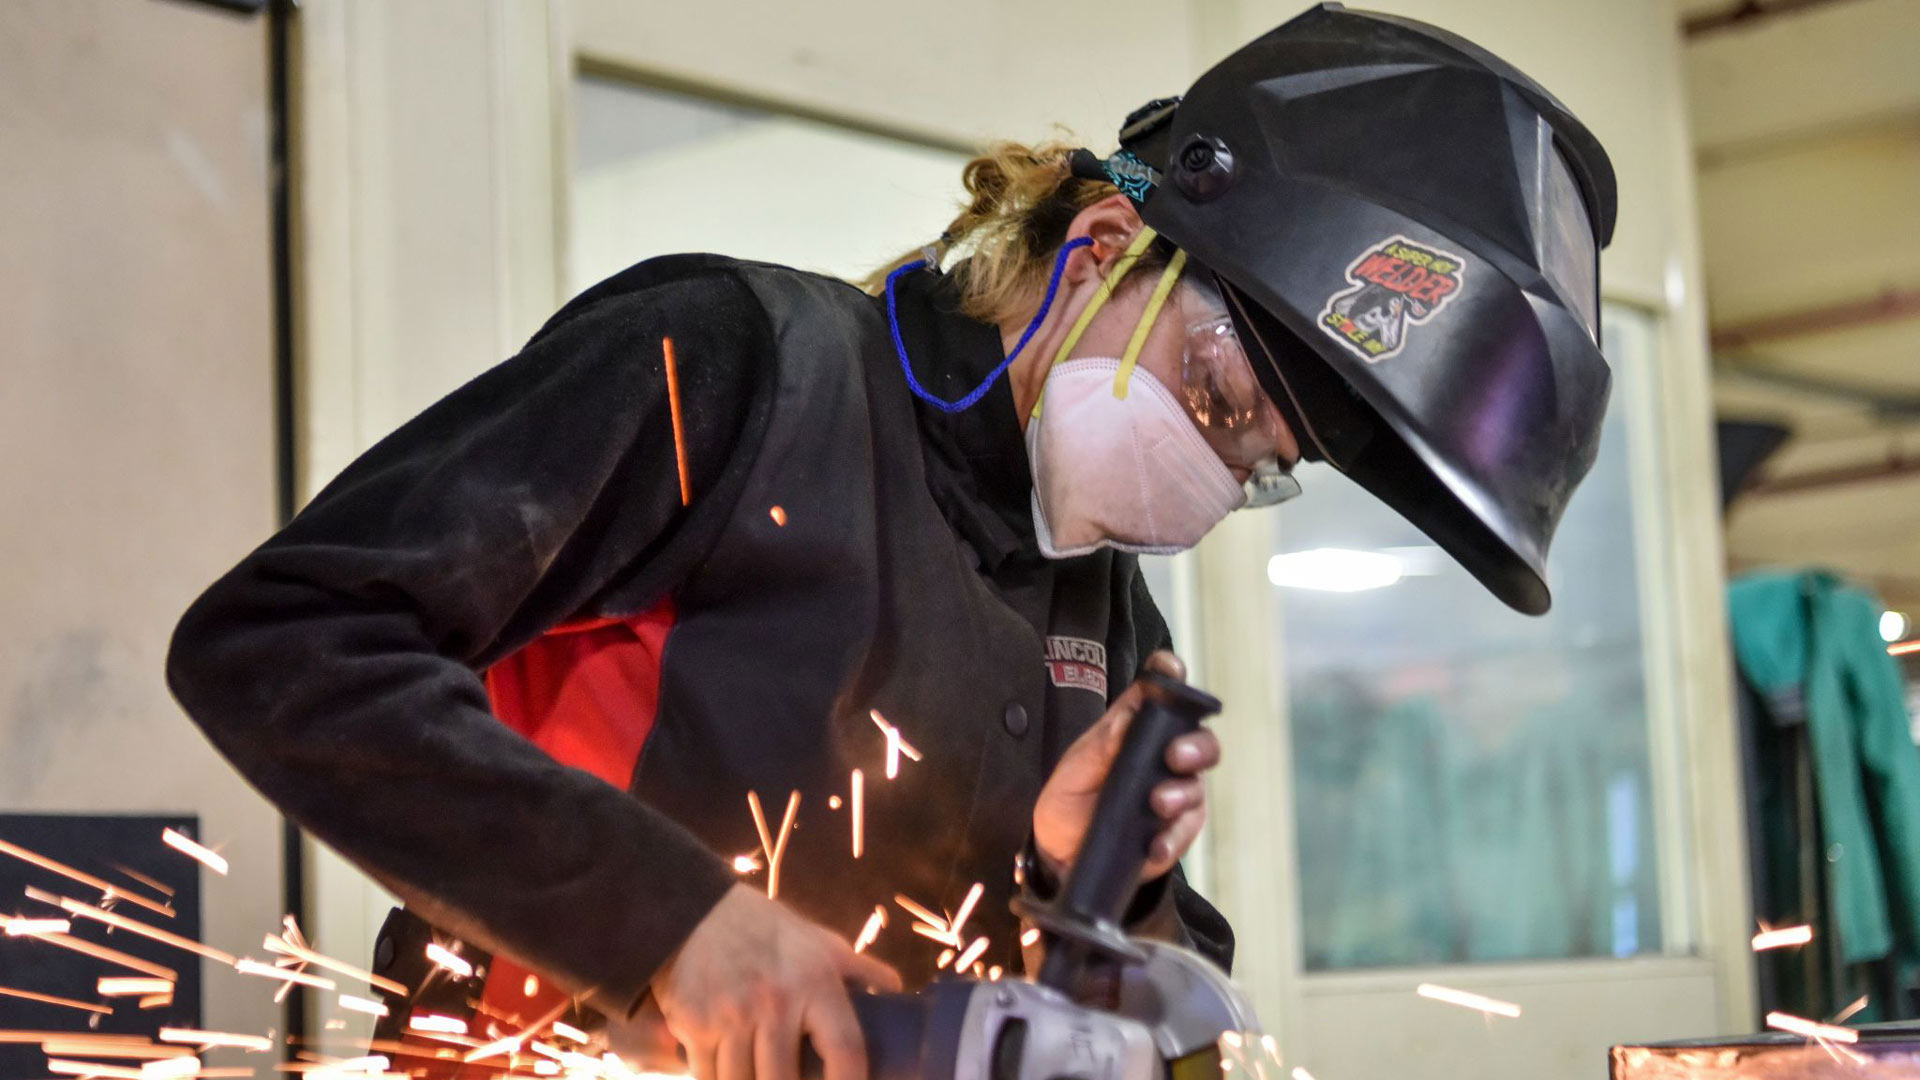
(1893, 626)
(1335, 570)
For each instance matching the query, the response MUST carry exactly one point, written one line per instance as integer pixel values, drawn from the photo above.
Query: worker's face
(1193, 351)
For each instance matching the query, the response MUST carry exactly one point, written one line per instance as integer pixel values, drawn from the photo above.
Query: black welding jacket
(344, 665)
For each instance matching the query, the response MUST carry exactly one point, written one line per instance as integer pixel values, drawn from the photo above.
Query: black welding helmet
(1406, 230)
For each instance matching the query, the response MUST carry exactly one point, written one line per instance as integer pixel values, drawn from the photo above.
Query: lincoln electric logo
(1394, 285)
(1077, 663)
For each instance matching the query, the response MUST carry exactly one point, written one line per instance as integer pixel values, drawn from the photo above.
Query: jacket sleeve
(338, 666)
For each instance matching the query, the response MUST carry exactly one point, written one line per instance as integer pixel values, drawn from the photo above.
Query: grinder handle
(1107, 871)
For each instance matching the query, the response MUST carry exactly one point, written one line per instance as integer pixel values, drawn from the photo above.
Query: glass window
(1470, 784)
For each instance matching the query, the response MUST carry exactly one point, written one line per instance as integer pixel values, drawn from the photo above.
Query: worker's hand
(752, 979)
(1065, 807)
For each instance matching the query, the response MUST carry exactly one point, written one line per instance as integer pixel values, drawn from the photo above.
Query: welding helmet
(1406, 231)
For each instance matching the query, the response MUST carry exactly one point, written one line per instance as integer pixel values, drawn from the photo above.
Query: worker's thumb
(865, 971)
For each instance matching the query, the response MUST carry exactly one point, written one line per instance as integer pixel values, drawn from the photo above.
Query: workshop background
(237, 246)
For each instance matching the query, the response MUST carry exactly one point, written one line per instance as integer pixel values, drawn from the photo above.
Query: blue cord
(978, 392)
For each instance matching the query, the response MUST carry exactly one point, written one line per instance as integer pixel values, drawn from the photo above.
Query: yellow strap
(1131, 256)
(1131, 358)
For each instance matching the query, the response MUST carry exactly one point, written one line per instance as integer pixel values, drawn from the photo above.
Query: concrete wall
(136, 417)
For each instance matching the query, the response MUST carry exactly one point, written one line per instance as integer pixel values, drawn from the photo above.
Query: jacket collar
(976, 460)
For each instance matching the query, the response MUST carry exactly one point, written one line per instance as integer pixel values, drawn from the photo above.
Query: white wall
(136, 413)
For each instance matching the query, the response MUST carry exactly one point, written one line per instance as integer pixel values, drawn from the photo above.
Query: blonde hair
(1020, 202)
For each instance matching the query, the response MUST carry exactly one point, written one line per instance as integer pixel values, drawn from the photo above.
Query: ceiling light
(1335, 570)
(1893, 626)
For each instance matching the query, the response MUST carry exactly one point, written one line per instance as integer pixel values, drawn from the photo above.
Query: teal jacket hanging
(1813, 634)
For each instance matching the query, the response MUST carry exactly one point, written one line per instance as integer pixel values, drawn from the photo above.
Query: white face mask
(1130, 473)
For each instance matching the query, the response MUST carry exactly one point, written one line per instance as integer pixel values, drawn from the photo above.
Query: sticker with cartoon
(1395, 284)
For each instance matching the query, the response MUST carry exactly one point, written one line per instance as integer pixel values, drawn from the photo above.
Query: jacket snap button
(1016, 719)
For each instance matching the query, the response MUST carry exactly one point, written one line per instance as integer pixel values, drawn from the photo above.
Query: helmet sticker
(1394, 284)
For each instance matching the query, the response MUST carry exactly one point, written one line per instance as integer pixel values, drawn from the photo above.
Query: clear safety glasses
(1221, 394)
(1217, 385)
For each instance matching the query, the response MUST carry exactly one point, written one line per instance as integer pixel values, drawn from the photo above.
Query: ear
(1111, 223)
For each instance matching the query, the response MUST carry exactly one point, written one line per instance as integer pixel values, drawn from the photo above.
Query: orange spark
(65, 1067)
(779, 516)
(362, 1005)
(29, 995)
(1492, 1006)
(1858, 1004)
(106, 887)
(896, 745)
(760, 823)
(122, 986)
(679, 428)
(1029, 937)
(745, 864)
(568, 1031)
(941, 936)
(1300, 1073)
(973, 953)
(966, 909)
(82, 1044)
(195, 1037)
(946, 957)
(1810, 1028)
(433, 1022)
(512, 1043)
(833, 802)
(448, 959)
(859, 782)
(919, 912)
(1777, 939)
(780, 845)
(156, 1001)
(775, 848)
(994, 973)
(1841, 1054)
(37, 927)
(186, 845)
(268, 971)
(121, 922)
(170, 1068)
(871, 930)
(1904, 648)
(160, 887)
(531, 986)
(101, 952)
(293, 944)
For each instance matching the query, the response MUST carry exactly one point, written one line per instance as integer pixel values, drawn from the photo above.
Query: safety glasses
(1217, 387)
(1224, 399)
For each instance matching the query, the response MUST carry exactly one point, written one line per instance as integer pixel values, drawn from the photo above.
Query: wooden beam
(1743, 13)
(1895, 467)
(1892, 305)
